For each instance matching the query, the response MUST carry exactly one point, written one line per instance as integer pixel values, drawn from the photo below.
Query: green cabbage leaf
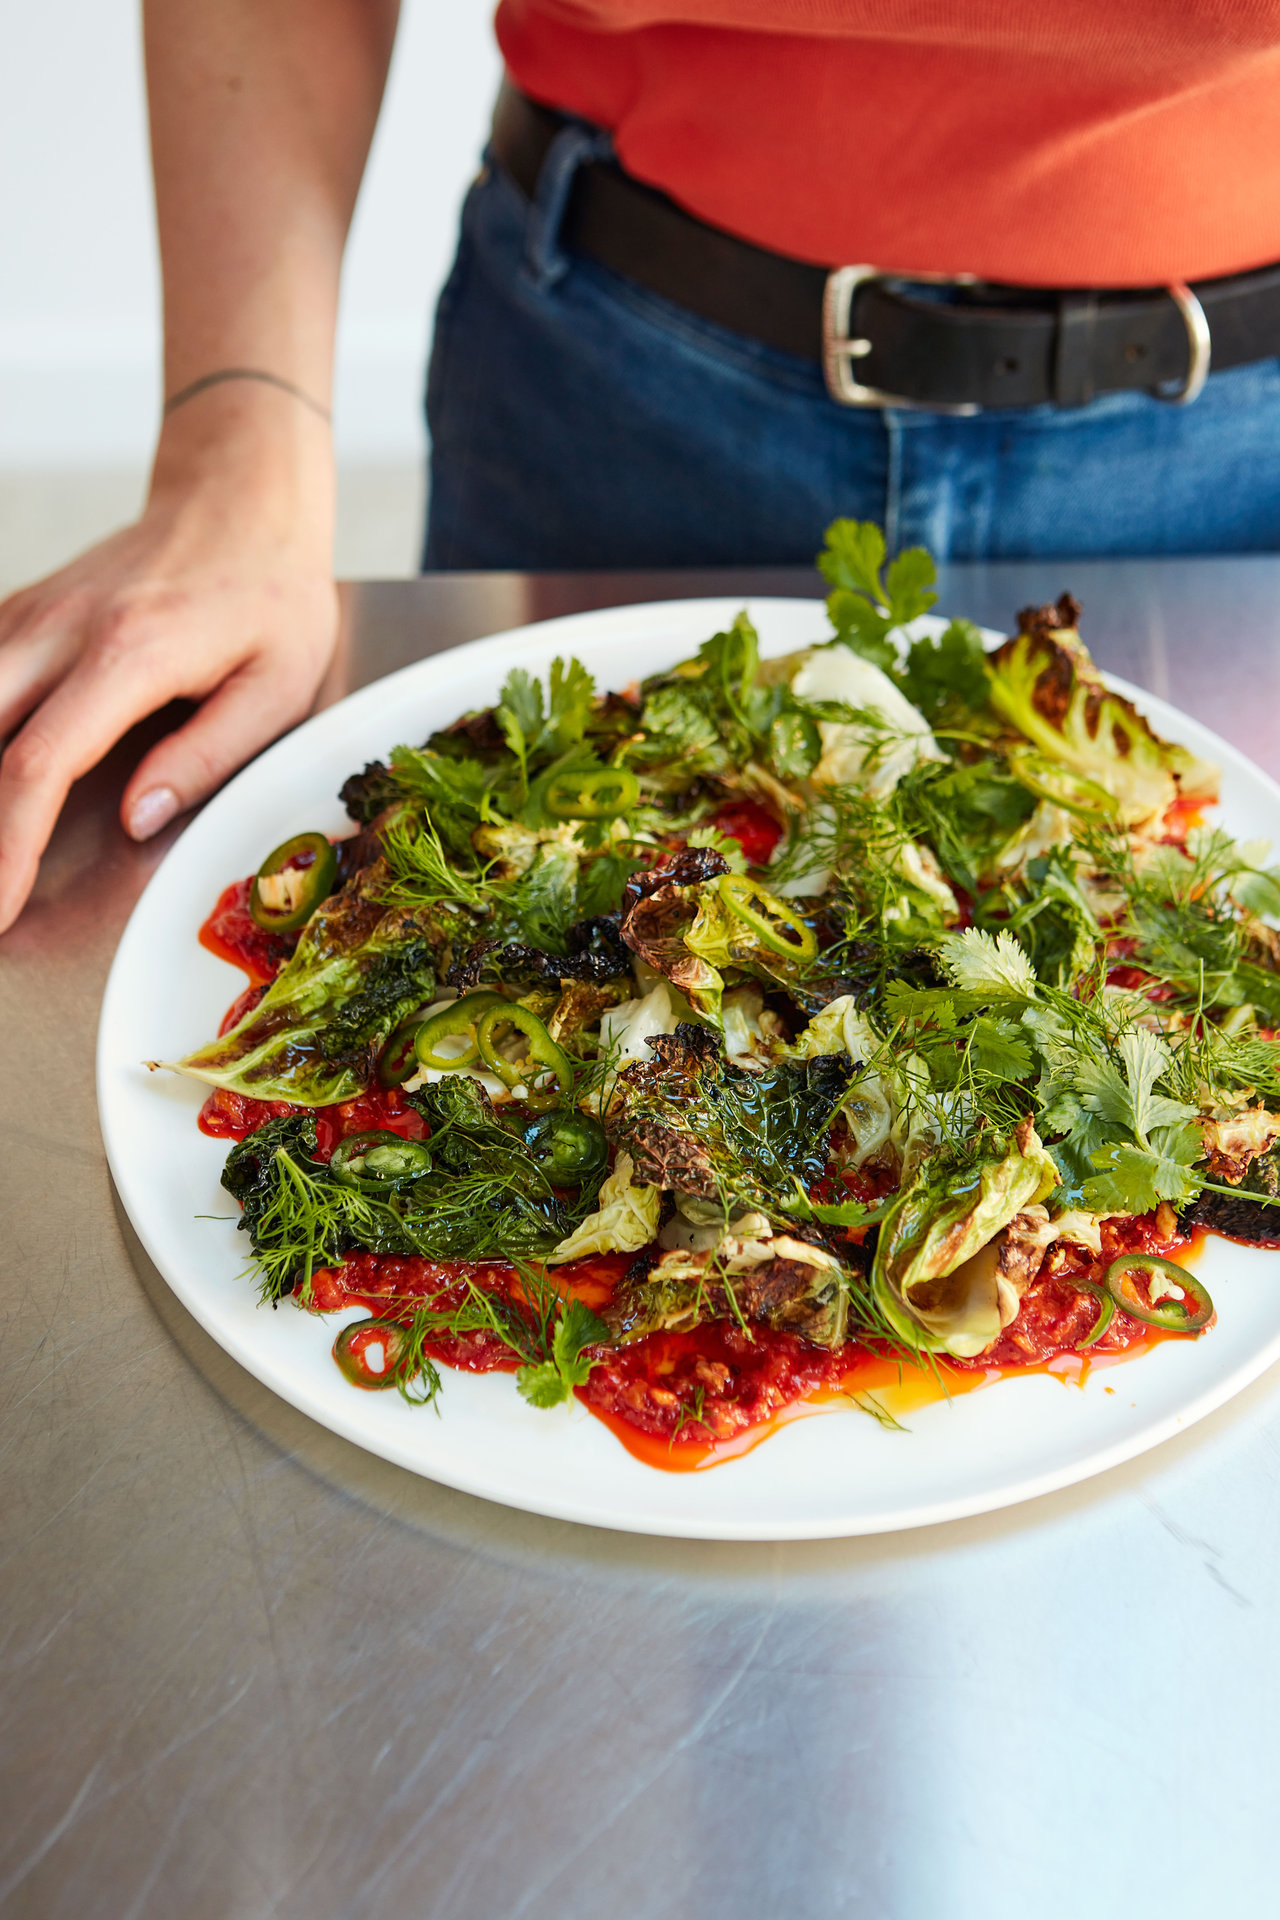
(922, 1280)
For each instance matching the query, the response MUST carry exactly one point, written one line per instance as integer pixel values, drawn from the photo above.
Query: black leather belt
(948, 345)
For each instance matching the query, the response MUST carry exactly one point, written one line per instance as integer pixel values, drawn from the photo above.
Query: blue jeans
(579, 421)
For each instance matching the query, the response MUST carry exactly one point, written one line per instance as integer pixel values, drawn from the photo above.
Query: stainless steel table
(249, 1671)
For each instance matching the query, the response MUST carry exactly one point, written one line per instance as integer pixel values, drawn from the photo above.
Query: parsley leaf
(553, 1379)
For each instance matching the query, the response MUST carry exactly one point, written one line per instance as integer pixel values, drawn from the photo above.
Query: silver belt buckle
(840, 349)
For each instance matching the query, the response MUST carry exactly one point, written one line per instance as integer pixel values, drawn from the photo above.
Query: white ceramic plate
(835, 1473)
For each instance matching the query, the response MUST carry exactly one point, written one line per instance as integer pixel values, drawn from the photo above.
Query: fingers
(32, 661)
(247, 711)
(98, 701)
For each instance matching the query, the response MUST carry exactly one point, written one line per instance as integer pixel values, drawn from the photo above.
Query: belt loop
(576, 145)
(1073, 381)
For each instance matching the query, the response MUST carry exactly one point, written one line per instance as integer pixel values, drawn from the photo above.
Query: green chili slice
(1175, 1316)
(768, 916)
(1106, 1314)
(457, 1020)
(543, 1052)
(567, 1145)
(351, 1351)
(382, 1157)
(599, 793)
(291, 882)
(399, 1058)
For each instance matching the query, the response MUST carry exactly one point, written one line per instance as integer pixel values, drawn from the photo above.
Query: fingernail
(153, 811)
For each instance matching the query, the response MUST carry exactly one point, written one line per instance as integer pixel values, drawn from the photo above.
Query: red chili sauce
(752, 826)
(678, 1401)
(233, 934)
(685, 1401)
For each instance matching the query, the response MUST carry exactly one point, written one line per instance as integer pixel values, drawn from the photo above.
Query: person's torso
(1083, 142)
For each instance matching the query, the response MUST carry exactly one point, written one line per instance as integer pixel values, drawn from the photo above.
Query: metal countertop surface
(248, 1670)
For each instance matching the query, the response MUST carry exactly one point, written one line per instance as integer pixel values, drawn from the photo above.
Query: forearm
(262, 112)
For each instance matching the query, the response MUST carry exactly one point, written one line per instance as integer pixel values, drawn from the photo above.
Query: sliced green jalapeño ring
(382, 1157)
(454, 1022)
(772, 919)
(1106, 1314)
(350, 1350)
(399, 1059)
(291, 882)
(1175, 1316)
(567, 1145)
(543, 1052)
(600, 793)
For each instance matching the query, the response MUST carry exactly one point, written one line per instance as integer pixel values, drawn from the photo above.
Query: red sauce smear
(230, 1116)
(233, 934)
(682, 1402)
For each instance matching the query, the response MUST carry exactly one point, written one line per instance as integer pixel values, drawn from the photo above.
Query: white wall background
(79, 294)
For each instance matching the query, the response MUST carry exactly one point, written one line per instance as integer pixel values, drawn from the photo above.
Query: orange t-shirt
(1042, 142)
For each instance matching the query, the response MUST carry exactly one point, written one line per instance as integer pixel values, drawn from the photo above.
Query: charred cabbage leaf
(798, 1288)
(314, 1037)
(595, 952)
(484, 1197)
(1239, 1215)
(1044, 683)
(693, 1122)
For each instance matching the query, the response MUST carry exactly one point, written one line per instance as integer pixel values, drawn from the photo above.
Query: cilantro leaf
(674, 714)
(569, 707)
(862, 629)
(1146, 1057)
(865, 605)
(1132, 1102)
(909, 586)
(519, 716)
(853, 557)
(997, 1049)
(521, 704)
(978, 963)
(553, 1379)
(1103, 1091)
(455, 790)
(1131, 1180)
(600, 886)
(531, 728)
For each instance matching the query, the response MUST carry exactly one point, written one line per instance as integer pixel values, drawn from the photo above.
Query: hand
(222, 592)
